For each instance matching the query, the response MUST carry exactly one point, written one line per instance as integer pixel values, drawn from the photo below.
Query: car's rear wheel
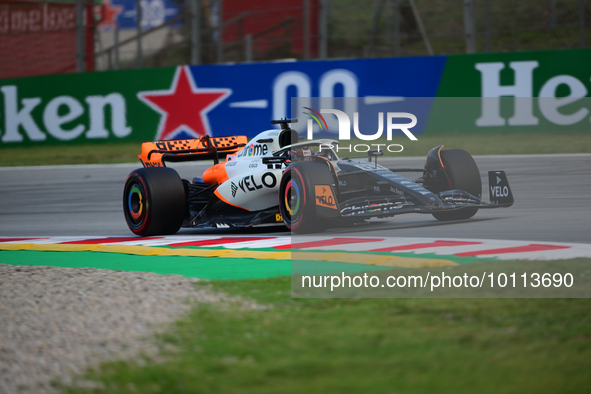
(463, 174)
(297, 199)
(154, 201)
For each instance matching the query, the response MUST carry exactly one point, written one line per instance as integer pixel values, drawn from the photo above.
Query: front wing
(500, 195)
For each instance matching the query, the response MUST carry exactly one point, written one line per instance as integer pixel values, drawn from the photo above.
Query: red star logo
(109, 14)
(184, 106)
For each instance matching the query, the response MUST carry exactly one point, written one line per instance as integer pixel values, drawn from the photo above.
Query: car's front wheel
(297, 196)
(463, 174)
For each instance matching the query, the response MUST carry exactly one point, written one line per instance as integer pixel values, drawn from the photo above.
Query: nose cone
(216, 174)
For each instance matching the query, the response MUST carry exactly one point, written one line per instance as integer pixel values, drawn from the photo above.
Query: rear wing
(154, 154)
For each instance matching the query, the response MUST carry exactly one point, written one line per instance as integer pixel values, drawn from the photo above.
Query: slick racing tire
(154, 201)
(464, 175)
(297, 200)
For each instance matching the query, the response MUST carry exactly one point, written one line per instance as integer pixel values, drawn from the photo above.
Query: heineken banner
(192, 101)
(525, 91)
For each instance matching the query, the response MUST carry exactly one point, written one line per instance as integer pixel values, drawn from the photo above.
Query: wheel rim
(292, 198)
(135, 204)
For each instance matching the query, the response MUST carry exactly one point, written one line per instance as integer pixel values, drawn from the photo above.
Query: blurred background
(48, 37)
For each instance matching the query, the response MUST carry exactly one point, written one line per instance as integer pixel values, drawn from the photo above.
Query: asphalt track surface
(552, 202)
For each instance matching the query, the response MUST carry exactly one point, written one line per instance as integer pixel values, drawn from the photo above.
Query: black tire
(297, 203)
(464, 175)
(154, 201)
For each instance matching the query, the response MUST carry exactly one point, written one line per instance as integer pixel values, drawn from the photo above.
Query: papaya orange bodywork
(216, 174)
(153, 152)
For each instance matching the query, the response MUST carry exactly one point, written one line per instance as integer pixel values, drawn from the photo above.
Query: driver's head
(296, 153)
(307, 151)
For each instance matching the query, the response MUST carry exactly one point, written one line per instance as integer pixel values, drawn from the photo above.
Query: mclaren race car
(275, 179)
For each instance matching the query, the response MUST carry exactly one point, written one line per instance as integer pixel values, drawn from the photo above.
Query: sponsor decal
(373, 208)
(523, 88)
(269, 180)
(499, 187)
(183, 107)
(34, 17)
(536, 91)
(124, 13)
(153, 164)
(108, 15)
(250, 184)
(254, 150)
(498, 191)
(61, 117)
(396, 191)
(324, 196)
(366, 166)
(278, 217)
(543, 90)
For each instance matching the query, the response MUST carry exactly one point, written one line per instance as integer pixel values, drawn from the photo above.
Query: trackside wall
(190, 101)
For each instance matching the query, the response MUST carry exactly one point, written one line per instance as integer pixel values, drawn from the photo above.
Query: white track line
(570, 250)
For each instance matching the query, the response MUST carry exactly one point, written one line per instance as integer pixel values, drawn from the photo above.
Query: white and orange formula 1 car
(276, 180)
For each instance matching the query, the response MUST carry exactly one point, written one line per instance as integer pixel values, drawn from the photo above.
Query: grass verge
(122, 152)
(500, 143)
(476, 144)
(366, 345)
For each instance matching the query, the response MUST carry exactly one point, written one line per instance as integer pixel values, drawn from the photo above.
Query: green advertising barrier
(515, 91)
(241, 99)
(88, 107)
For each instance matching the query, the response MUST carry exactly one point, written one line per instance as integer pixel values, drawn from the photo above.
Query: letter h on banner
(492, 90)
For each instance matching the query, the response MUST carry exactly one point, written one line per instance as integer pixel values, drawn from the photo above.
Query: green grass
(507, 143)
(122, 152)
(476, 144)
(366, 346)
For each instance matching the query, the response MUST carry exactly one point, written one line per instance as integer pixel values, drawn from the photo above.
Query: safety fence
(45, 37)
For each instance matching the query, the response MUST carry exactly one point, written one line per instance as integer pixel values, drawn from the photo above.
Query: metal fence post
(248, 48)
(396, 28)
(469, 29)
(195, 31)
(138, 5)
(323, 30)
(421, 27)
(220, 47)
(377, 15)
(582, 23)
(80, 37)
(306, 37)
(487, 27)
(116, 48)
(552, 14)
